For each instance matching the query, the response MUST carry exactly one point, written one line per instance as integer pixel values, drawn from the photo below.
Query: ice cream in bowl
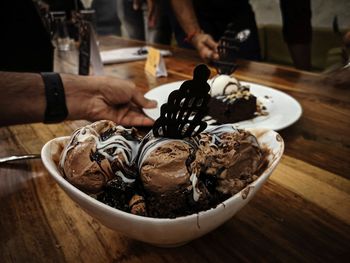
(158, 190)
(178, 182)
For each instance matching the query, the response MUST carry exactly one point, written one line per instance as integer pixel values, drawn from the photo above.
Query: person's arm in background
(204, 43)
(297, 31)
(23, 99)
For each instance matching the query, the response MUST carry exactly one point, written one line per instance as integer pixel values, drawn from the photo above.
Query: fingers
(120, 101)
(206, 54)
(152, 13)
(209, 41)
(143, 102)
(213, 46)
(136, 4)
(133, 116)
(206, 47)
(124, 91)
(126, 115)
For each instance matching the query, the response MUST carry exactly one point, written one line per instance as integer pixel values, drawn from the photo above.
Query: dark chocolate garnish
(182, 115)
(96, 157)
(117, 194)
(228, 49)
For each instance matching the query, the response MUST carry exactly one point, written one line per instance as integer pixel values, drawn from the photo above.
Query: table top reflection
(301, 214)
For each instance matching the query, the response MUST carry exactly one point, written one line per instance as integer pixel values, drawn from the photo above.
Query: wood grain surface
(302, 214)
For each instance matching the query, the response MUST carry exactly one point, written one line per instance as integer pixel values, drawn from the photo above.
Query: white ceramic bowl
(158, 231)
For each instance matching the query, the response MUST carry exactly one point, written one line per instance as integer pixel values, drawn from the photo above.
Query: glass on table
(60, 36)
(66, 52)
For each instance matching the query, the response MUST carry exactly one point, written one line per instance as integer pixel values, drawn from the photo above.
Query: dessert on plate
(230, 100)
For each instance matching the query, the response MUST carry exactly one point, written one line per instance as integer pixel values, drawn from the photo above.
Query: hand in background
(137, 4)
(152, 11)
(206, 46)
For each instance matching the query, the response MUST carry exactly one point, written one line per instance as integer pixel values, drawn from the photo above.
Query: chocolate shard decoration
(228, 48)
(182, 115)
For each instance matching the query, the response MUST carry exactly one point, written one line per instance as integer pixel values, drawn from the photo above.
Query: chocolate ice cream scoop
(236, 159)
(168, 174)
(181, 177)
(98, 153)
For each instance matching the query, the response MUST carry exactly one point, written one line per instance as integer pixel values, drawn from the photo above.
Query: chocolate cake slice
(237, 106)
(230, 100)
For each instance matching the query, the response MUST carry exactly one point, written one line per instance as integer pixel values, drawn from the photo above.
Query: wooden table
(302, 213)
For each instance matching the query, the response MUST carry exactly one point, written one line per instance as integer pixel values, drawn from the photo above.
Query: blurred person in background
(204, 22)
(159, 22)
(107, 19)
(338, 71)
(131, 15)
(163, 26)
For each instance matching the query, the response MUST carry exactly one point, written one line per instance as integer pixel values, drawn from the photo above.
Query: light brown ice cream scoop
(235, 160)
(83, 172)
(164, 169)
(97, 153)
(169, 173)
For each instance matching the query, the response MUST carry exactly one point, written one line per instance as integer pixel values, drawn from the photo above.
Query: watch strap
(56, 108)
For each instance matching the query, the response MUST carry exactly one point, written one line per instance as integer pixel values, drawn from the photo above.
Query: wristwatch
(56, 108)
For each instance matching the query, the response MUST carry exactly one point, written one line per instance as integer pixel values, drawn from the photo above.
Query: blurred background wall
(323, 11)
(326, 45)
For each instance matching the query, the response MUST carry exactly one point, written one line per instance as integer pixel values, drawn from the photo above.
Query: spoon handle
(19, 157)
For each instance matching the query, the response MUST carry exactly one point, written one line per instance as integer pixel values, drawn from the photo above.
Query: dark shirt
(25, 43)
(214, 16)
(296, 16)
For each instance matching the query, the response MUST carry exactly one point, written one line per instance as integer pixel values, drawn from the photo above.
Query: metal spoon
(19, 157)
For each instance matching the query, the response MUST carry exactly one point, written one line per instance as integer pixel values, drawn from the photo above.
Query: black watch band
(56, 108)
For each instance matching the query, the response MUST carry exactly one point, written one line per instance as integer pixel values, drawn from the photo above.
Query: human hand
(96, 98)
(339, 78)
(137, 4)
(206, 46)
(152, 13)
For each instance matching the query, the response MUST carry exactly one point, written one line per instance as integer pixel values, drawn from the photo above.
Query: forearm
(186, 16)
(22, 98)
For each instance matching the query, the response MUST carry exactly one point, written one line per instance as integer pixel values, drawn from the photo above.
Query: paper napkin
(127, 54)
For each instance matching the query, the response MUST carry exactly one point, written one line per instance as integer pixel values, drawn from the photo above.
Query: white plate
(283, 110)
